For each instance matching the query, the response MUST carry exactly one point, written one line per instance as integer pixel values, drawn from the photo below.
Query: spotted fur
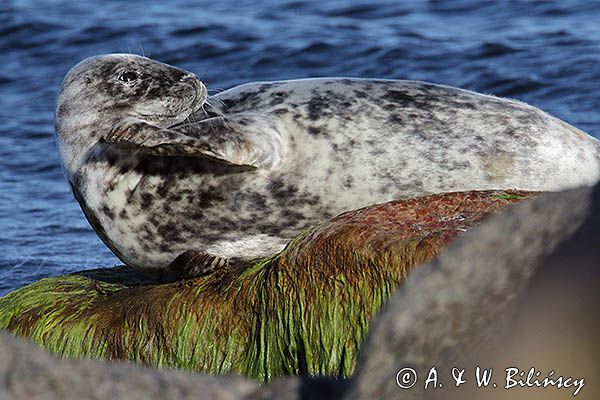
(267, 160)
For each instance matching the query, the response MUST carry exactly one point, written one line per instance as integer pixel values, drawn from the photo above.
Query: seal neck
(78, 131)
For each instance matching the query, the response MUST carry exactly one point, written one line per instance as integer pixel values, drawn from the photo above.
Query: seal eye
(128, 76)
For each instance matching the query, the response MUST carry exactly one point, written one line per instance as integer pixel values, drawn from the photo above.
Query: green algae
(510, 197)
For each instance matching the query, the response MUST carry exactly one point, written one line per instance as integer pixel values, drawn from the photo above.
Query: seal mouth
(201, 113)
(200, 94)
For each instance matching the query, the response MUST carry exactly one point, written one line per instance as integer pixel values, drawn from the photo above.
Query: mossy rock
(305, 310)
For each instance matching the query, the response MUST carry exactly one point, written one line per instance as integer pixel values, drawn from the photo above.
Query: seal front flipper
(217, 139)
(192, 264)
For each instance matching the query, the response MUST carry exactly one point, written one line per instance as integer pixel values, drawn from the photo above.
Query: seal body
(267, 160)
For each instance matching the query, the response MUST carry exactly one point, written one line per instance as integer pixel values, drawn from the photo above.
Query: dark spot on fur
(107, 211)
(248, 99)
(400, 97)
(125, 168)
(263, 88)
(395, 119)
(164, 188)
(164, 247)
(348, 180)
(169, 232)
(62, 111)
(376, 151)
(207, 198)
(197, 215)
(111, 157)
(278, 98)
(292, 215)
(111, 185)
(281, 111)
(312, 200)
(315, 130)
(258, 201)
(243, 121)
(147, 199)
(280, 190)
(175, 197)
(228, 103)
(293, 144)
(252, 98)
(317, 107)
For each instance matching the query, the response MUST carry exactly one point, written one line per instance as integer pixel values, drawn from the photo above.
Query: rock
(507, 277)
(304, 311)
(28, 373)
(532, 269)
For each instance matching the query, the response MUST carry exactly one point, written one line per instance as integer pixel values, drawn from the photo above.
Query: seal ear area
(237, 148)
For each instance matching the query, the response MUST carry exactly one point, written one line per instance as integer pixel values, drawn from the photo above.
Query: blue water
(544, 53)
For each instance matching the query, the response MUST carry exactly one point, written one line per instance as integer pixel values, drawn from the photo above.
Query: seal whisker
(219, 101)
(217, 110)
(192, 119)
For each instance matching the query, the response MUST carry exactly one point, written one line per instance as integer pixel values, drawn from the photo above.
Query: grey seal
(176, 183)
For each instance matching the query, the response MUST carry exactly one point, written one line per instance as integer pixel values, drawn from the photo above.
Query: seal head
(111, 90)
